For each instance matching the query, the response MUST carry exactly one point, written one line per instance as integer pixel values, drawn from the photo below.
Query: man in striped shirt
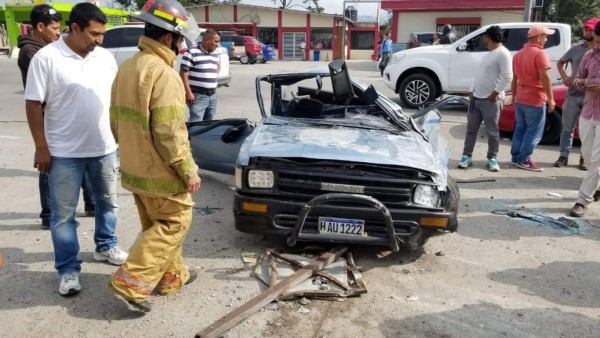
(588, 80)
(199, 72)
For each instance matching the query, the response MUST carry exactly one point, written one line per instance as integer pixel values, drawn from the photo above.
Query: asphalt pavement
(496, 277)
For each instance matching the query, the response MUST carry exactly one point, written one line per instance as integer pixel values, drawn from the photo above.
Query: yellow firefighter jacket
(147, 116)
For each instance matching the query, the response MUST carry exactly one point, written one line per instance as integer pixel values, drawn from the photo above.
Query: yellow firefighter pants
(156, 259)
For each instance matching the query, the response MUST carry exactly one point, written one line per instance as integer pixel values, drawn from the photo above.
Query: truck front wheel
(417, 89)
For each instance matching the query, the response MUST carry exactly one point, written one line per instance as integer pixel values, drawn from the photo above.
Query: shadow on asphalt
(490, 320)
(22, 289)
(562, 283)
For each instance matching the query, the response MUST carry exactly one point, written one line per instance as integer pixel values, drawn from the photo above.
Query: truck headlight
(238, 177)
(261, 179)
(426, 195)
(395, 58)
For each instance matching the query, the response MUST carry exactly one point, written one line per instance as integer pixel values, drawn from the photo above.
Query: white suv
(122, 42)
(423, 74)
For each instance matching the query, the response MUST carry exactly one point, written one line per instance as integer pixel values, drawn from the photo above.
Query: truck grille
(306, 185)
(301, 180)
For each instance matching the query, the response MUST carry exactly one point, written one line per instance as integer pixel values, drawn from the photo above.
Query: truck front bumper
(298, 221)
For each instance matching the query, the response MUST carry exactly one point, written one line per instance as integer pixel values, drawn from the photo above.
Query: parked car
(333, 160)
(553, 126)
(122, 42)
(247, 49)
(425, 37)
(423, 74)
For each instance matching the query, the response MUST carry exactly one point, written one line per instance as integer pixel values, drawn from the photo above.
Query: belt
(207, 92)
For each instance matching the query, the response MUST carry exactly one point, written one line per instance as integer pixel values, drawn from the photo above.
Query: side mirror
(461, 48)
(233, 133)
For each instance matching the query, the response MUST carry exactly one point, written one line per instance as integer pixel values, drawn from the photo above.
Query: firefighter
(148, 120)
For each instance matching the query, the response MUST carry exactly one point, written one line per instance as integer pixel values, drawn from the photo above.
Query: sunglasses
(50, 13)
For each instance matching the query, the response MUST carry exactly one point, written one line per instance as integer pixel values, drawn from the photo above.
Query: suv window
(131, 36)
(517, 37)
(476, 44)
(112, 38)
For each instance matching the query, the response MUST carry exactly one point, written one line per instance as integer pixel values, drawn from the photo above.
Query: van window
(517, 37)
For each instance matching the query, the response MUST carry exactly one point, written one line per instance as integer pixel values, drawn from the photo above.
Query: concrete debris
(272, 306)
(304, 301)
(303, 310)
(412, 298)
(439, 253)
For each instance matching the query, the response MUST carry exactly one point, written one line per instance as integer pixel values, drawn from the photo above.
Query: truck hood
(343, 144)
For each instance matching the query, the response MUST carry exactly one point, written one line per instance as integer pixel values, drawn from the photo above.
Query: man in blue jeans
(200, 74)
(532, 93)
(73, 77)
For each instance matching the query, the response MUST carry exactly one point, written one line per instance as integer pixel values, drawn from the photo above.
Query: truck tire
(417, 89)
(244, 59)
(453, 200)
(552, 128)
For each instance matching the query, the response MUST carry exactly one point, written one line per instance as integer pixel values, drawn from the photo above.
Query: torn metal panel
(338, 279)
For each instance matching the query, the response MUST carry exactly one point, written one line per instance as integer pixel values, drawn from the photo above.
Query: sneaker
(465, 162)
(578, 210)
(561, 162)
(581, 165)
(113, 255)
(492, 165)
(529, 165)
(69, 284)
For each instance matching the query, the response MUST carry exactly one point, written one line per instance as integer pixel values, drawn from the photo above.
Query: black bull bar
(392, 238)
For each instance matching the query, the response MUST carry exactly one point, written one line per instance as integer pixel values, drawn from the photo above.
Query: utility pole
(527, 12)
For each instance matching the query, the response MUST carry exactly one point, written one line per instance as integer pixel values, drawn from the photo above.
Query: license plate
(330, 225)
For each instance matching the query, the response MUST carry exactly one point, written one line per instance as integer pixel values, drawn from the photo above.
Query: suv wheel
(417, 89)
(244, 59)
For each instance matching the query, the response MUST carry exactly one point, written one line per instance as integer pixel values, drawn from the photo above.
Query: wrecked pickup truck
(332, 160)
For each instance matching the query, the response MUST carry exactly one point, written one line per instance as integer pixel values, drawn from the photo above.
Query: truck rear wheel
(416, 90)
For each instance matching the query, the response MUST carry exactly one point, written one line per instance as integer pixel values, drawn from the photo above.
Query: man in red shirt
(532, 92)
(588, 80)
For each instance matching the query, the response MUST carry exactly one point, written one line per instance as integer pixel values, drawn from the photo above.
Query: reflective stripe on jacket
(147, 116)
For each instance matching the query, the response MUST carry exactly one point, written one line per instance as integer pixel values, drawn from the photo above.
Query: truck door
(464, 62)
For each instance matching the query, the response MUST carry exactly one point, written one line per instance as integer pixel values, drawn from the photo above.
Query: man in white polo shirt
(73, 77)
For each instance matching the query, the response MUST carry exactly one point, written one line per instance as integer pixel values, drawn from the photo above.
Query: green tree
(572, 12)
(283, 4)
(124, 4)
(141, 3)
(313, 6)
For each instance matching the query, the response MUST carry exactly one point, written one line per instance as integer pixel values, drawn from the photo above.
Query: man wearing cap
(574, 100)
(532, 92)
(588, 80)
